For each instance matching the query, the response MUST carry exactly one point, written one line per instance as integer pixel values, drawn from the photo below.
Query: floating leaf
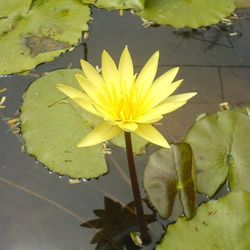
(11, 12)
(222, 224)
(116, 222)
(243, 110)
(170, 173)
(52, 128)
(221, 146)
(116, 4)
(186, 13)
(38, 33)
(138, 143)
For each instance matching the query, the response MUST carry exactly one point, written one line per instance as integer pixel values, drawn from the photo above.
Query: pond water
(41, 210)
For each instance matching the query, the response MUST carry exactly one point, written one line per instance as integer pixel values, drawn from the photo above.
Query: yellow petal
(128, 126)
(147, 74)
(181, 97)
(167, 77)
(148, 132)
(126, 68)
(109, 69)
(105, 111)
(87, 105)
(166, 108)
(91, 73)
(72, 92)
(172, 103)
(102, 132)
(148, 118)
(90, 88)
(159, 92)
(111, 77)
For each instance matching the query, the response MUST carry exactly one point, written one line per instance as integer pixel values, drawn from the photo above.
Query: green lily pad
(137, 142)
(116, 4)
(168, 174)
(187, 13)
(11, 12)
(221, 146)
(243, 110)
(222, 224)
(39, 33)
(51, 128)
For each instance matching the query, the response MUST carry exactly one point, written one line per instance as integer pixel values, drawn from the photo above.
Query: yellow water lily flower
(126, 101)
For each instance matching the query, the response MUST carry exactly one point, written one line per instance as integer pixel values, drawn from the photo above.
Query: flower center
(126, 109)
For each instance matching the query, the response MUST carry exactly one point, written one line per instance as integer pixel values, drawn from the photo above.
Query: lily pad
(187, 13)
(11, 12)
(51, 128)
(222, 224)
(244, 110)
(168, 174)
(221, 146)
(116, 4)
(39, 33)
(137, 142)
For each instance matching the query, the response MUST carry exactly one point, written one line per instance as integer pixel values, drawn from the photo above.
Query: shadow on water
(221, 35)
(117, 224)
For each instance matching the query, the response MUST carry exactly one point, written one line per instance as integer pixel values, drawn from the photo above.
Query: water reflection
(116, 224)
(222, 35)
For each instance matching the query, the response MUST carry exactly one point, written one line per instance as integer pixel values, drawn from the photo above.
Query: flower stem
(135, 188)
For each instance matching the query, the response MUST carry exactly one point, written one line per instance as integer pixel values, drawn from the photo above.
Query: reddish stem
(135, 188)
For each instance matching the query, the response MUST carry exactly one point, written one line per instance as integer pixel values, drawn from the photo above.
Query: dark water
(41, 211)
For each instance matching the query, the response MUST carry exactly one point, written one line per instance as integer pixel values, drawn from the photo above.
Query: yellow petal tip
(156, 54)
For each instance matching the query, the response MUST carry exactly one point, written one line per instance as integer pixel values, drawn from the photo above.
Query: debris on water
(84, 180)
(105, 149)
(121, 12)
(234, 34)
(3, 98)
(135, 236)
(86, 35)
(147, 23)
(74, 181)
(14, 125)
(226, 21)
(224, 106)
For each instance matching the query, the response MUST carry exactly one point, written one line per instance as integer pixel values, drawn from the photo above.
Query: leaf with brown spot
(40, 32)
